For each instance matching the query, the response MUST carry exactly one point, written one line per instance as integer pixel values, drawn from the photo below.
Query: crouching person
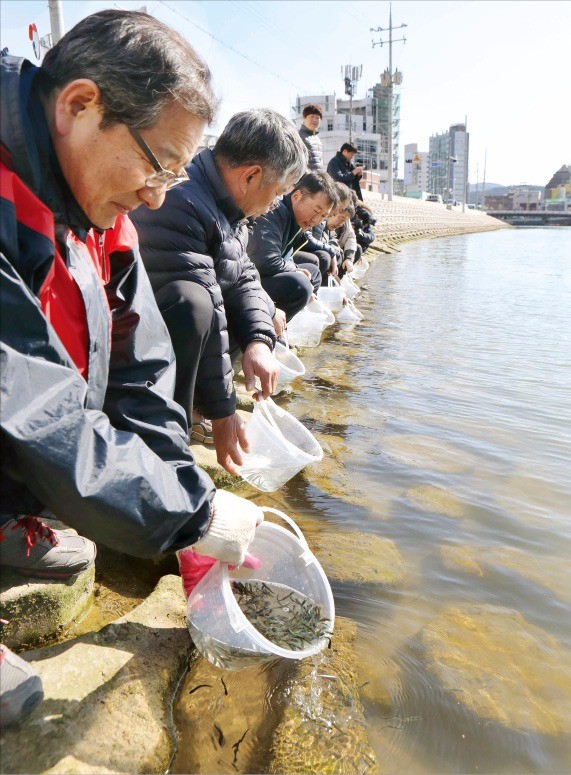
(289, 275)
(206, 286)
(90, 430)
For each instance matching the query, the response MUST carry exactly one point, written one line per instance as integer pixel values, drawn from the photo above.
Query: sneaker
(31, 547)
(201, 431)
(20, 688)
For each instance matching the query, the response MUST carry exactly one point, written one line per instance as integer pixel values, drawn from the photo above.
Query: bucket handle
(307, 555)
(268, 415)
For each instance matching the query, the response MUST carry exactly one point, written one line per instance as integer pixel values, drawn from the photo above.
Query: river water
(448, 411)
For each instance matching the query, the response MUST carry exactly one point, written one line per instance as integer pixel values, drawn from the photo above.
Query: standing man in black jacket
(343, 170)
(208, 290)
(309, 131)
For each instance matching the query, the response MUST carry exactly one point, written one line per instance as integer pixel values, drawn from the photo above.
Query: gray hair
(139, 64)
(263, 136)
(344, 193)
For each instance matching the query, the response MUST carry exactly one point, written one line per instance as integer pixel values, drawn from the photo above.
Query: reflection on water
(446, 421)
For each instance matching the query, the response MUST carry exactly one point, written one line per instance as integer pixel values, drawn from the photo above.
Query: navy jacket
(200, 235)
(274, 238)
(109, 455)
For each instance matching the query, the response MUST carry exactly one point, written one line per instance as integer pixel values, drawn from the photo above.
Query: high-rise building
(416, 170)
(448, 166)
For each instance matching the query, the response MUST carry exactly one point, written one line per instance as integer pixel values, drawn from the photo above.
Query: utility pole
(465, 175)
(484, 182)
(389, 81)
(350, 77)
(56, 20)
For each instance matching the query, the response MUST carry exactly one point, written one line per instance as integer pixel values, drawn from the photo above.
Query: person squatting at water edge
(208, 290)
(291, 277)
(90, 430)
(322, 241)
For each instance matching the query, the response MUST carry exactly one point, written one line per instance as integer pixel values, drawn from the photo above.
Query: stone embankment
(404, 220)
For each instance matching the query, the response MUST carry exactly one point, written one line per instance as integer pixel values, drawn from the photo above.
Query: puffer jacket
(200, 235)
(89, 427)
(314, 148)
(275, 237)
(317, 238)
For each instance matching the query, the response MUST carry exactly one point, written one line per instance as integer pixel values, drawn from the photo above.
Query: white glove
(231, 528)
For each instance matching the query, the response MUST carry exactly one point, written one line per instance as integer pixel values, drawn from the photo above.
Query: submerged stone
(501, 667)
(547, 572)
(428, 452)
(360, 558)
(436, 499)
(322, 729)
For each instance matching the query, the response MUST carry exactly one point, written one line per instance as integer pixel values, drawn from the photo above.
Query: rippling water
(449, 413)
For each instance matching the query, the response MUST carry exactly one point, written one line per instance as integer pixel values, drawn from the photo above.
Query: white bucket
(305, 328)
(220, 630)
(360, 269)
(331, 295)
(317, 308)
(290, 366)
(350, 288)
(280, 446)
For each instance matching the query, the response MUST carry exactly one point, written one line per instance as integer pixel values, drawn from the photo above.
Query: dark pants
(188, 311)
(290, 291)
(319, 258)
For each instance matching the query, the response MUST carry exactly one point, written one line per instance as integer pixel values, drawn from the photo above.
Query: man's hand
(347, 265)
(333, 267)
(228, 433)
(279, 321)
(306, 272)
(358, 171)
(258, 361)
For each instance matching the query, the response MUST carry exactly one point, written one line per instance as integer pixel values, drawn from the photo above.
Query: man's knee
(186, 305)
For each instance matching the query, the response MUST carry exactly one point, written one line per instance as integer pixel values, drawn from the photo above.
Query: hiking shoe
(20, 688)
(31, 547)
(201, 431)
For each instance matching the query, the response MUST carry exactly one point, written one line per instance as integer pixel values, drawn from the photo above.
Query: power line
(227, 45)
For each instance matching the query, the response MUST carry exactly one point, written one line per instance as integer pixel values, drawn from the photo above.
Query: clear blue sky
(501, 63)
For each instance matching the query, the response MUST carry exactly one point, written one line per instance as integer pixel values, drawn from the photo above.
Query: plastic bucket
(317, 308)
(350, 288)
(305, 328)
(360, 269)
(221, 631)
(280, 446)
(290, 366)
(331, 295)
(349, 314)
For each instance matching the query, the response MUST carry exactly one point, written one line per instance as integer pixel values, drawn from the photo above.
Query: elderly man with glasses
(207, 289)
(90, 430)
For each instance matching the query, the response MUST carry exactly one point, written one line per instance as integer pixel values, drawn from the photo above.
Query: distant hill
(494, 189)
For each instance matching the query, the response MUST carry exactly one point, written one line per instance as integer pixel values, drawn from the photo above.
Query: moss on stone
(437, 500)
(360, 558)
(501, 667)
(323, 729)
(37, 609)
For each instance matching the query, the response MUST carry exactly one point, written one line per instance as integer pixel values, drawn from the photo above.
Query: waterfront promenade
(404, 220)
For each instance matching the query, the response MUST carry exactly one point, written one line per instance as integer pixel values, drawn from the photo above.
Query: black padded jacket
(199, 234)
(314, 148)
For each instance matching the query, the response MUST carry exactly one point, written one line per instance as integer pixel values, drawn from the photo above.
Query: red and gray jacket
(89, 427)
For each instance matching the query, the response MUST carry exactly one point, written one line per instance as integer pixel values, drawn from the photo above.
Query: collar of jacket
(25, 135)
(347, 163)
(204, 161)
(293, 228)
(307, 131)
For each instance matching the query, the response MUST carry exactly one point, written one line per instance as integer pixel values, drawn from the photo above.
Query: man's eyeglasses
(160, 177)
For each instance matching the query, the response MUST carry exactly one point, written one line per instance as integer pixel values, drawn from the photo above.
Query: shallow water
(446, 418)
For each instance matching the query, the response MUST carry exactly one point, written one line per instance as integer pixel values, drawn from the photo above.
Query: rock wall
(404, 220)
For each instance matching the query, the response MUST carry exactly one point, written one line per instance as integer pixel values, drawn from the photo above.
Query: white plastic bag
(332, 295)
(305, 328)
(290, 366)
(360, 268)
(350, 288)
